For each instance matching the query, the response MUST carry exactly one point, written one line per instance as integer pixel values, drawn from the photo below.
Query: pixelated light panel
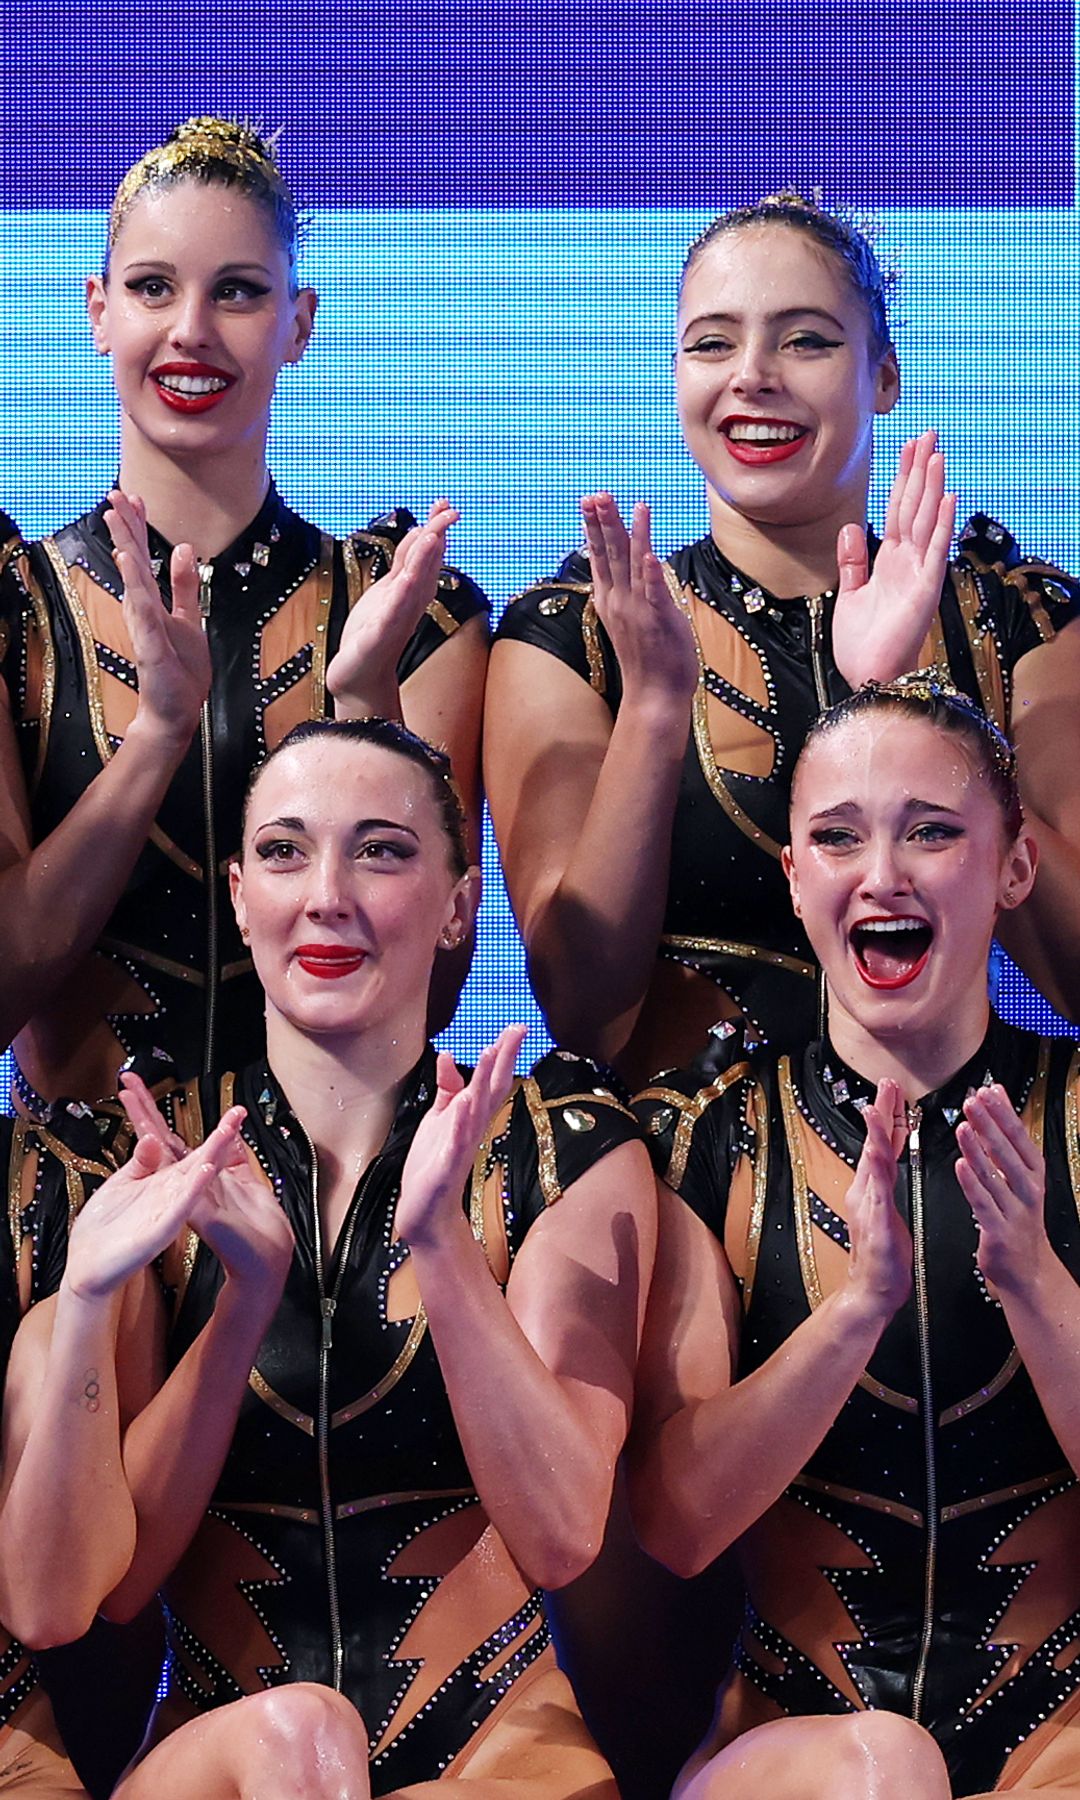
(499, 200)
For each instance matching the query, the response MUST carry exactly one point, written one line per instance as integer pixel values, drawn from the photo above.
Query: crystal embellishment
(578, 1119)
(268, 1105)
(952, 1113)
(552, 604)
(722, 1029)
(260, 553)
(840, 1091)
(243, 569)
(754, 601)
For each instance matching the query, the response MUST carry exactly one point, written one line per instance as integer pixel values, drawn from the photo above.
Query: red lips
(894, 957)
(199, 399)
(329, 962)
(756, 452)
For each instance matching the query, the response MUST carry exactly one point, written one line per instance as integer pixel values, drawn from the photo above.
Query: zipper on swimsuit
(816, 604)
(206, 730)
(922, 1308)
(327, 1308)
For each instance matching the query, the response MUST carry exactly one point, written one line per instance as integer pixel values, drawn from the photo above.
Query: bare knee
(886, 1754)
(310, 1738)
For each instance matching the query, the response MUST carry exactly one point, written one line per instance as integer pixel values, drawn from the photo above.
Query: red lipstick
(756, 452)
(329, 961)
(893, 955)
(191, 387)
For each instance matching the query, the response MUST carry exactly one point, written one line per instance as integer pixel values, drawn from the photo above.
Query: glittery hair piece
(210, 149)
(849, 236)
(931, 694)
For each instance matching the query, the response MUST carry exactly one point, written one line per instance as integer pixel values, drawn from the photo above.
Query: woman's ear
(1018, 871)
(888, 383)
(236, 894)
(461, 909)
(97, 311)
(787, 863)
(305, 307)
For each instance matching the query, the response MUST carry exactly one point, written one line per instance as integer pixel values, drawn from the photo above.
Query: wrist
(661, 711)
(863, 1312)
(161, 739)
(443, 1236)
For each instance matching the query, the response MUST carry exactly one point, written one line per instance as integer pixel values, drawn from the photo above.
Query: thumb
(184, 579)
(853, 559)
(148, 1156)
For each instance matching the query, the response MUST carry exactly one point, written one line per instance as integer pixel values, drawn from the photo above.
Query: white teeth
(764, 434)
(192, 384)
(892, 925)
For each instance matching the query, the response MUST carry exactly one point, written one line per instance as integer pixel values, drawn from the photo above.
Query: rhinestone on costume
(243, 569)
(661, 1120)
(160, 1055)
(754, 601)
(422, 1093)
(722, 1029)
(996, 533)
(552, 604)
(840, 1092)
(566, 1055)
(952, 1113)
(78, 1109)
(275, 535)
(155, 566)
(861, 1103)
(578, 1119)
(260, 553)
(268, 1105)
(1054, 591)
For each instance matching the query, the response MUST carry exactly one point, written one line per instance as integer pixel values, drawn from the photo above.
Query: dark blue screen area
(560, 102)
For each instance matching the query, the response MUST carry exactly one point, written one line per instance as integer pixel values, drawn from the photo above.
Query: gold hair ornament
(199, 147)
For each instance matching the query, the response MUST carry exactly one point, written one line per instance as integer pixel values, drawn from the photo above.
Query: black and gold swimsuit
(731, 946)
(345, 1542)
(925, 1558)
(170, 972)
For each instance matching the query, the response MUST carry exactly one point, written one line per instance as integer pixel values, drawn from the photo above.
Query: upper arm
(579, 1285)
(1045, 728)
(691, 1337)
(443, 701)
(546, 733)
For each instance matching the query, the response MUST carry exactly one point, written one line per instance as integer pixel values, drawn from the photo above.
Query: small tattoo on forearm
(91, 1394)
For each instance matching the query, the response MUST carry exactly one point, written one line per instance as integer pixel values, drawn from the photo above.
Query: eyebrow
(289, 823)
(161, 265)
(776, 318)
(848, 808)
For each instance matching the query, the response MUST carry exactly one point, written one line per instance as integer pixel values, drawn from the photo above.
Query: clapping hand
(1003, 1177)
(448, 1137)
(379, 627)
(171, 654)
(650, 631)
(882, 615)
(881, 1253)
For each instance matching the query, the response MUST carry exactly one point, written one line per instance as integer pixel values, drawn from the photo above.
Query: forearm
(175, 1450)
(1043, 1313)
(713, 1468)
(67, 1532)
(55, 902)
(592, 943)
(541, 1475)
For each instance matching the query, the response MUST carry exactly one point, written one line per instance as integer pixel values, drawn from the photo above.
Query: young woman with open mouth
(137, 725)
(884, 1232)
(643, 717)
(429, 1431)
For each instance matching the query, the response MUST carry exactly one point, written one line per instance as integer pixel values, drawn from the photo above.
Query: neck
(344, 1089)
(205, 501)
(787, 559)
(918, 1061)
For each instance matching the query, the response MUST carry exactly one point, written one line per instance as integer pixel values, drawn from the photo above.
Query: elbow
(569, 1550)
(48, 1621)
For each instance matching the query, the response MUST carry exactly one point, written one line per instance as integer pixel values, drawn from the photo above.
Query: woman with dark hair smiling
(429, 1432)
(885, 1231)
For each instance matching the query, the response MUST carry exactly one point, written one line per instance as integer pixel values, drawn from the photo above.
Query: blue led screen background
(499, 198)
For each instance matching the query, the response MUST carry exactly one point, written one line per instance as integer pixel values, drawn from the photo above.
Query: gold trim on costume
(545, 1141)
(1072, 1126)
(324, 593)
(984, 1394)
(983, 648)
(933, 653)
(349, 1509)
(436, 609)
(804, 1231)
(980, 1501)
(748, 952)
(43, 625)
(302, 1420)
(164, 964)
(761, 1190)
(710, 768)
(873, 1502)
(16, 1157)
(590, 636)
(393, 1374)
(689, 1116)
(95, 703)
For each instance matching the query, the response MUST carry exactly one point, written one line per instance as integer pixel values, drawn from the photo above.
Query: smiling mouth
(330, 961)
(191, 387)
(763, 440)
(890, 953)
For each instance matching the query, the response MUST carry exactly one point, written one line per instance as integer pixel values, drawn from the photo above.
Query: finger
(216, 1148)
(641, 527)
(853, 559)
(148, 1156)
(616, 542)
(985, 1210)
(922, 525)
(448, 1077)
(596, 548)
(1022, 1175)
(997, 1103)
(184, 581)
(892, 1109)
(998, 1194)
(915, 485)
(903, 471)
(937, 550)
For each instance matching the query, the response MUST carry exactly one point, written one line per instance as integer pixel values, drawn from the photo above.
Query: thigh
(860, 1756)
(40, 1773)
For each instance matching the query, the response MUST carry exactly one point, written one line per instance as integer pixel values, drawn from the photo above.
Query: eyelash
(227, 292)
(282, 850)
(839, 837)
(803, 340)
